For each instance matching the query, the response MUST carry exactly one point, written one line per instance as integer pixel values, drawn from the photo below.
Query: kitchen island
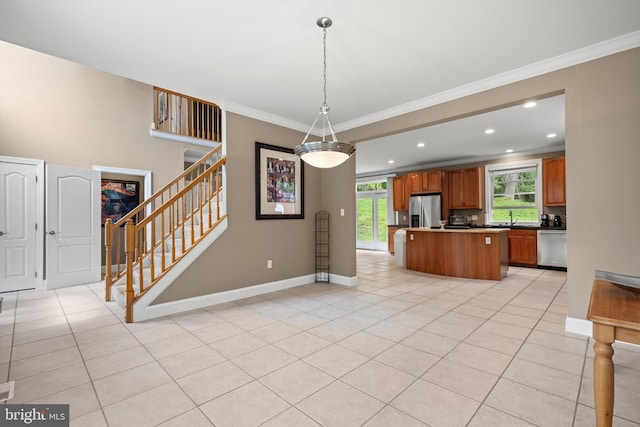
(475, 253)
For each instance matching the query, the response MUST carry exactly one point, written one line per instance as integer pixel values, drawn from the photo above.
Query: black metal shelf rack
(322, 247)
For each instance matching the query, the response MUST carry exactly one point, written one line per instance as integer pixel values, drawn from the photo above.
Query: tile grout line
(13, 334)
(516, 353)
(584, 363)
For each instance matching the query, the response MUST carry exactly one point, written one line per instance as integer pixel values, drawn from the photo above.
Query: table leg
(603, 374)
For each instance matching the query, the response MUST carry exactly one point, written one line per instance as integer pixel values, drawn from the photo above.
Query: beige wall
(67, 114)
(338, 192)
(239, 257)
(602, 100)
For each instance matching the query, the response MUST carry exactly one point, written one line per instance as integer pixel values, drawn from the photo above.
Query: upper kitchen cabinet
(426, 182)
(465, 188)
(554, 182)
(401, 189)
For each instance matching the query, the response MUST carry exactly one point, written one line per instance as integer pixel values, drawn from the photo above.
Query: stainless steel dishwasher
(552, 248)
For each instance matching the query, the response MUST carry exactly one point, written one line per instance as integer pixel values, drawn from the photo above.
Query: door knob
(2, 234)
(52, 232)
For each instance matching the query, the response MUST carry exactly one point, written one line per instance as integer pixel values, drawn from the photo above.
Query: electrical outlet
(487, 240)
(269, 264)
(341, 212)
(474, 217)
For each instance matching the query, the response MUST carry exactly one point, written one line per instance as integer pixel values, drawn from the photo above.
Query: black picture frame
(279, 183)
(118, 198)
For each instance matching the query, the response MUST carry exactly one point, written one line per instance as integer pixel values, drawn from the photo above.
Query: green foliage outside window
(514, 190)
(365, 220)
(371, 186)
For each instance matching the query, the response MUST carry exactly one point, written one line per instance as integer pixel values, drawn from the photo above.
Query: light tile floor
(400, 349)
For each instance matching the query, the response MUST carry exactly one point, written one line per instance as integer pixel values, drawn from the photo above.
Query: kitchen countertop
(459, 230)
(521, 227)
(514, 227)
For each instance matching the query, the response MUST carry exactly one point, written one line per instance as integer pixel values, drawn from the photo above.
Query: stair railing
(181, 213)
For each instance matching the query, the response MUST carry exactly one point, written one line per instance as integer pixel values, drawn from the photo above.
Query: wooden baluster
(218, 187)
(162, 237)
(108, 243)
(183, 207)
(129, 250)
(138, 259)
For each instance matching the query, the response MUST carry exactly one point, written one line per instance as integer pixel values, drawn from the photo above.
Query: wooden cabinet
(415, 182)
(465, 188)
(523, 247)
(554, 182)
(401, 191)
(426, 182)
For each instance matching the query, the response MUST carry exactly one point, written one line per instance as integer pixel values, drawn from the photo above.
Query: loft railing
(152, 238)
(183, 115)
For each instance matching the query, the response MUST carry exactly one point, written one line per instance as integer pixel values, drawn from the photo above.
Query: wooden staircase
(143, 246)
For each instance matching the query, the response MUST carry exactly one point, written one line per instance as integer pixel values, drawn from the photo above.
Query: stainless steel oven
(552, 248)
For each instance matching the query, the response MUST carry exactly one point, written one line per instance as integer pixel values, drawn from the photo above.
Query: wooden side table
(615, 313)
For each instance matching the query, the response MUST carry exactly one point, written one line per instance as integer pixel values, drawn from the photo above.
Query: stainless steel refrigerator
(425, 211)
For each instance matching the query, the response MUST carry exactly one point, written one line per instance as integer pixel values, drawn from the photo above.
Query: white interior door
(17, 226)
(73, 226)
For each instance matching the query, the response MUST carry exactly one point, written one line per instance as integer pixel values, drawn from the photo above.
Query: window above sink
(513, 193)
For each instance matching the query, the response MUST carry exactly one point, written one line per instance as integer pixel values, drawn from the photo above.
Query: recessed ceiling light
(551, 135)
(420, 144)
(391, 161)
(489, 131)
(530, 104)
(510, 150)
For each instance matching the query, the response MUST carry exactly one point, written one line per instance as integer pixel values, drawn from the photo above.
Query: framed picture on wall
(279, 183)
(118, 198)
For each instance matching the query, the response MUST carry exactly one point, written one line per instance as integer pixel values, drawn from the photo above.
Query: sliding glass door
(371, 220)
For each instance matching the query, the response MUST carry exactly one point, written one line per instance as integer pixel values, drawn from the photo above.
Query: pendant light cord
(324, 74)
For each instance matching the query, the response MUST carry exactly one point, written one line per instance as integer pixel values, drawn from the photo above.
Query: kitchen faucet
(511, 218)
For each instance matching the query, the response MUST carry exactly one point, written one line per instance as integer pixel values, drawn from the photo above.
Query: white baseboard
(578, 326)
(343, 280)
(173, 307)
(585, 327)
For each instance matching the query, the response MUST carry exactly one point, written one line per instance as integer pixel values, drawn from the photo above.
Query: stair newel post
(108, 244)
(129, 233)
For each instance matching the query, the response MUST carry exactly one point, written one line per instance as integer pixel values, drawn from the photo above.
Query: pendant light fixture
(323, 153)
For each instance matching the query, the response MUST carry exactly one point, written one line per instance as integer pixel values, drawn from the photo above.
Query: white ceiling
(263, 58)
(522, 130)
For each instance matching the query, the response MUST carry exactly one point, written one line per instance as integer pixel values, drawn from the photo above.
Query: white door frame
(39, 164)
(148, 191)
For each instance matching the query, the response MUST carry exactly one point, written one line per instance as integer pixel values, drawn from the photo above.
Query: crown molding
(254, 113)
(599, 50)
